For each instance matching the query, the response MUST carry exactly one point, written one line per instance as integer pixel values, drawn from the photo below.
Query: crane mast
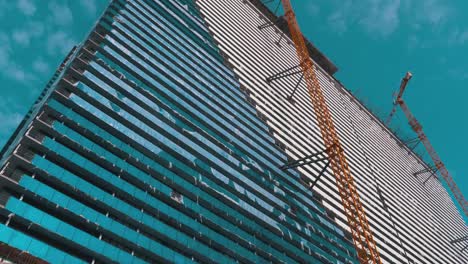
(362, 235)
(416, 126)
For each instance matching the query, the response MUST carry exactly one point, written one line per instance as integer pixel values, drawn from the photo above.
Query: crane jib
(417, 128)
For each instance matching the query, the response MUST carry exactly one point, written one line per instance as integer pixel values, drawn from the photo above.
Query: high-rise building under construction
(163, 138)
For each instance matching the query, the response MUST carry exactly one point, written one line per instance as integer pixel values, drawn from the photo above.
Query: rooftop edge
(314, 52)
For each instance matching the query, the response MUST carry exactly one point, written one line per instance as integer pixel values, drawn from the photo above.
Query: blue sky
(35, 35)
(373, 42)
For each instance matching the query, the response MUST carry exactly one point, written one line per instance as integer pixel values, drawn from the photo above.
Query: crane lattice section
(355, 214)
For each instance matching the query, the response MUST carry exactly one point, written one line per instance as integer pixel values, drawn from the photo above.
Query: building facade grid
(145, 149)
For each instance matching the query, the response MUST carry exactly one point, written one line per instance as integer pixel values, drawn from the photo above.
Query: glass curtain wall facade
(144, 149)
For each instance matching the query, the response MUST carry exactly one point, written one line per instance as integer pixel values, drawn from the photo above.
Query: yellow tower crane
(416, 126)
(362, 235)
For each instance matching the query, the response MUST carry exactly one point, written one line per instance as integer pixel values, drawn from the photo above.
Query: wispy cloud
(458, 37)
(312, 9)
(61, 14)
(27, 7)
(41, 66)
(11, 116)
(4, 6)
(434, 12)
(9, 121)
(24, 35)
(89, 5)
(381, 18)
(458, 74)
(21, 37)
(413, 42)
(378, 17)
(15, 72)
(8, 66)
(340, 18)
(59, 43)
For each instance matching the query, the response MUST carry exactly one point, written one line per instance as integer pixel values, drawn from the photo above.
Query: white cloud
(458, 37)
(434, 12)
(61, 14)
(4, 49)
(41, 66)
(21, 37)
(24, 35)
(463, 37)
(338, 20)
(59, 43)
(458, 74)
(89, 5)
(378, 17)
(312, 9)
(11, 116)
(18, 74)
(382, 17)
(413, 42)
(27, 7)
(4, 6)
(9, 121)
(8, 66)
